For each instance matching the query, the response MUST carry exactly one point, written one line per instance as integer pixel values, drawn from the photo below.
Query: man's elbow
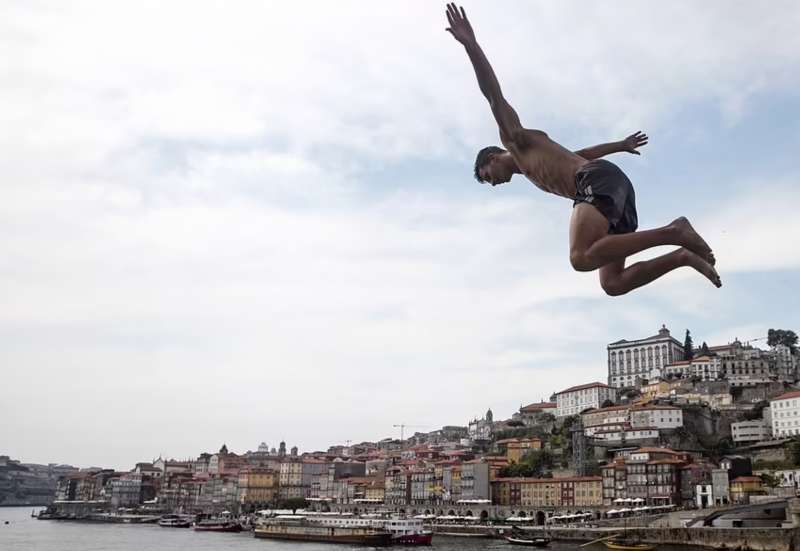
(583, 153)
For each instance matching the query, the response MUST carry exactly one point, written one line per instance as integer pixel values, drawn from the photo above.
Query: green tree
(794, 452)
(704, 349)
(782, 336)
(688, 346)
(293, 503)
(770, 480)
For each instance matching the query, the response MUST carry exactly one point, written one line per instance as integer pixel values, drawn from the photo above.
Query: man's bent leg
(616, 279)
(592, 247)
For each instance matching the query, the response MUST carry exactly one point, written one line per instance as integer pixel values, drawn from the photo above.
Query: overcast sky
(253, 221)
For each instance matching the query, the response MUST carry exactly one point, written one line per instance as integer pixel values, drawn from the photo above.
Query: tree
(794, 451)
(704, 351)
(293, 503)
(782, 336)
(688, 346)
(770, 480)
(608, 403)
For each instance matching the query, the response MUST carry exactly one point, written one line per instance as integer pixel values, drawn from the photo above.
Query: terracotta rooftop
(538, 407)
(786, 396)
(583, 387)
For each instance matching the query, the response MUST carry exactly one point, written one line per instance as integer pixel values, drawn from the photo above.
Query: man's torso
(546, 163)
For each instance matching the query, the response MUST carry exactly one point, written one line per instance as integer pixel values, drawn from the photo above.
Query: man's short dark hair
(483, 158)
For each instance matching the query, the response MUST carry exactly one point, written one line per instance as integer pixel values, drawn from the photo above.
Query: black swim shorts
(602, 184)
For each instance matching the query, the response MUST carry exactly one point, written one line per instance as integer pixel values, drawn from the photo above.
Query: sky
(256, 221)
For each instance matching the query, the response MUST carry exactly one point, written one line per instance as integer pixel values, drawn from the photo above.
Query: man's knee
(580, 262)
(613, 286)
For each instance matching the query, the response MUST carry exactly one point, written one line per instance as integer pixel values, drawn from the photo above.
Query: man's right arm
(507, 119)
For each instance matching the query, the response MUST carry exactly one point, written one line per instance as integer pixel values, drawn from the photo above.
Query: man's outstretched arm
(629, 144)
(507, 119)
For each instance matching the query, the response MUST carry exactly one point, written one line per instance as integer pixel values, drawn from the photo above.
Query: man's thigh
(586, 226)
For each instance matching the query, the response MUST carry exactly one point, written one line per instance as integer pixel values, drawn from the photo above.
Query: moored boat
(622, 545)
(174, 521)
(536, 541)
(217, 525)
(302, 528)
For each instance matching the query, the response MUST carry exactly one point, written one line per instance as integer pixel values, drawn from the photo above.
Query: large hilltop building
(645, 358)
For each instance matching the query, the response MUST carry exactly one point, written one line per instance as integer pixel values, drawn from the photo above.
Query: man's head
(492, 165)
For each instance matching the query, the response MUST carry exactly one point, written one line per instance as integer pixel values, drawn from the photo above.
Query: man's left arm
(629, 144)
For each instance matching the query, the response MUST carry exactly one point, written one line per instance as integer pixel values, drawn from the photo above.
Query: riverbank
(751, 539)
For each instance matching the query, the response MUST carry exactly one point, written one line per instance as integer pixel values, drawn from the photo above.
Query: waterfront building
(451, 482)
(574, 400)
(422, 486)
(652, 475)
(785, 411)
(548, 492)
(257, 486)
(126, 490)
(475, 479)
(721, 487)
(291, 479)
(642, 359)
(743, 487)
(397, 486)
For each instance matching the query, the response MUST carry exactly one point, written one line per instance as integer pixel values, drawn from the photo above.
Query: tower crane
(403, 428)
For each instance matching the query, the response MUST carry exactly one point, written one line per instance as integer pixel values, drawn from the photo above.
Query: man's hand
(633, 141)
(459, 25)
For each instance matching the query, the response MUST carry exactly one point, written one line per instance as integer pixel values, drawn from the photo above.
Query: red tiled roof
(608, 408)
(747, 479)
(786, 396)
(583, 387)
(539, 406)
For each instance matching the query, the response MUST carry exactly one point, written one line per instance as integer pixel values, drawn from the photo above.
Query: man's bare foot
(690, 239)
(694, 260)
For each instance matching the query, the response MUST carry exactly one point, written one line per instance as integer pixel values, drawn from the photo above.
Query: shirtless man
(602, 232)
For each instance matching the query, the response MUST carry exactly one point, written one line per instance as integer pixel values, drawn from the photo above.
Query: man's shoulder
(522, 138)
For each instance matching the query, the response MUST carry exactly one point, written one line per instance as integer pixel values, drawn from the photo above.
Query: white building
(642, 358)
(750, 431)
(658, 417)
(575, 399)
(617, 423)
(785, 411)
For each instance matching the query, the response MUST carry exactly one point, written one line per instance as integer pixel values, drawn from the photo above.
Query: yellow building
(257, 485)
(516, 448)
(541, 492)
(586, 491)
(744, 486)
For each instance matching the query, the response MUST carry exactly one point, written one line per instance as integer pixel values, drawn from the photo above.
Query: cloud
(260, 212)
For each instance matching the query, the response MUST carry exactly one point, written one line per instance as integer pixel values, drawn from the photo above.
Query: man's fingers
(463, 13)
(449, 18)
(635, 152)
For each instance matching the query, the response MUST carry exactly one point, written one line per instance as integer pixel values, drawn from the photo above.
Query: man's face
(494, 172)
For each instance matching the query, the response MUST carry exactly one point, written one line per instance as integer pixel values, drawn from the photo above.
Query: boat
(405, 531)
(217, 525)
(174, 521)
(536, 541)
(622, 545)
(302, 528)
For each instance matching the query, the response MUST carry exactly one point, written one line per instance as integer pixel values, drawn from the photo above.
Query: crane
(403, 428)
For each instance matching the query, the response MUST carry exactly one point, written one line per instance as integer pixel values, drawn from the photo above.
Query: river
(23, 533)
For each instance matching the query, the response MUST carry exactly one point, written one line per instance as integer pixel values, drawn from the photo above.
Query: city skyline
(208, 242)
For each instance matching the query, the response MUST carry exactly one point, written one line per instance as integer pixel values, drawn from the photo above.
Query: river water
(23, 533)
